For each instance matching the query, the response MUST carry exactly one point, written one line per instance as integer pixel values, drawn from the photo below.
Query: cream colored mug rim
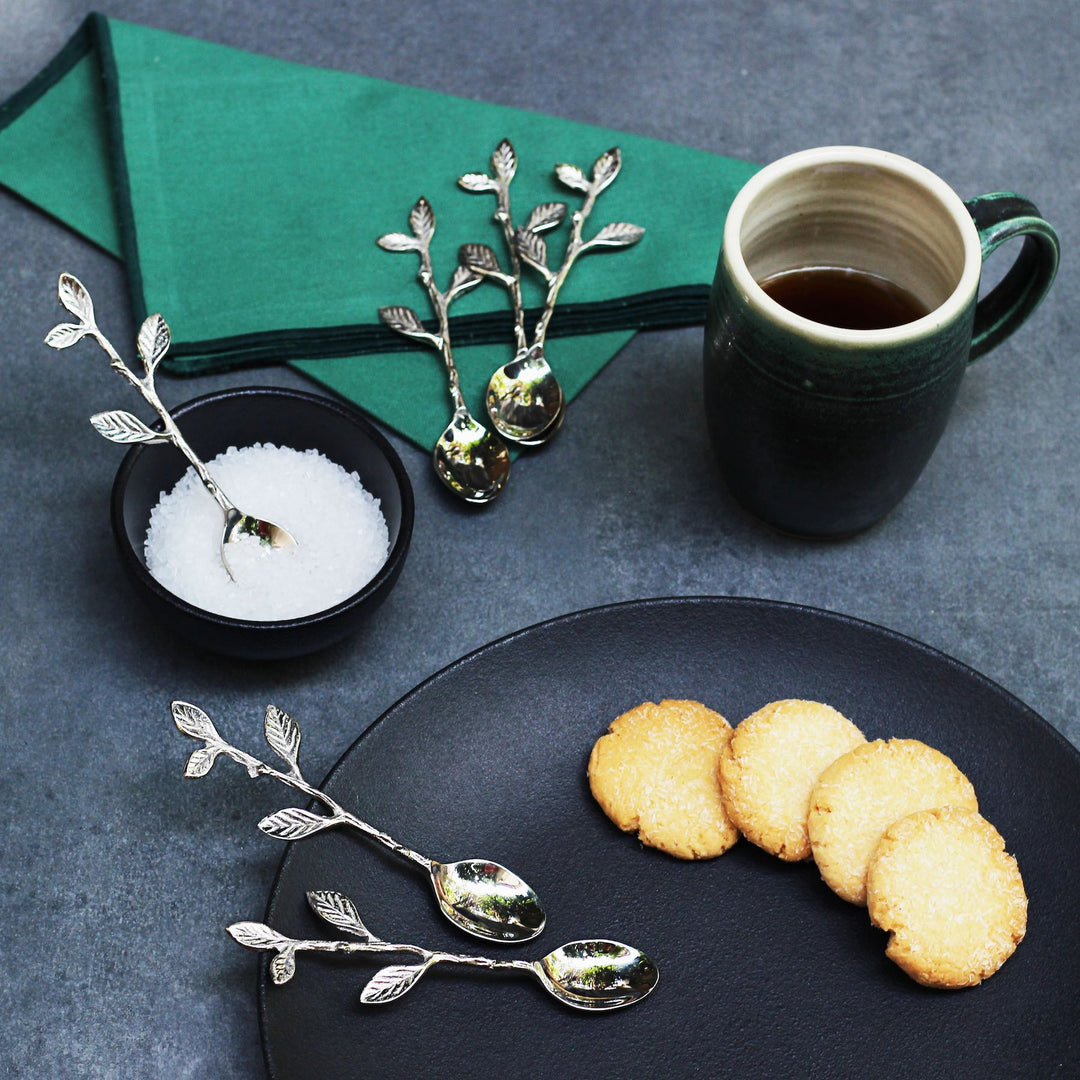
(757, 298)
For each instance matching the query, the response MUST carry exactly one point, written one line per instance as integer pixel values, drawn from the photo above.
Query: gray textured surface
(116, 876)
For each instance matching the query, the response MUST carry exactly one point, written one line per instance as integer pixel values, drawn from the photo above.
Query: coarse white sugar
(341, 535)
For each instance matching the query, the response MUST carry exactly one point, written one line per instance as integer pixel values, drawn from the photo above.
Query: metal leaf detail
(201, 762)
(153, 341)
(572, 177)
(293, 823)
(464, 278)
(546, 216)
(617, 234)
(531, 248)
(504, 161)
(338, 910)
(283, 734)
(606, 168)
(193, 722)
(390, 983)
(477, 182)
(76, 299)
(283, 967)
(65, 335)
(398, 241)
(402, 319)
(119, 426)
(257, 935)
(422, 219)
(479, 256)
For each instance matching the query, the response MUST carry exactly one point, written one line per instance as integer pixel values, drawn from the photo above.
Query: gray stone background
(115, 875)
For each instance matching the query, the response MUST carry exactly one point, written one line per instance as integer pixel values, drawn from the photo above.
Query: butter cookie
(950, 896)
(770, 767)
(655, 773)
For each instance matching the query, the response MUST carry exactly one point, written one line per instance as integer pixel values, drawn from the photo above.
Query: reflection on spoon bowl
(524, 399)
(470, 460)
(597, 974)
(241, 527)
(487, 900)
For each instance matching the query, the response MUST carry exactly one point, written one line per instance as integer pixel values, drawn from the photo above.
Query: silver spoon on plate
(480, 897)
(594, 975)
(123, 427)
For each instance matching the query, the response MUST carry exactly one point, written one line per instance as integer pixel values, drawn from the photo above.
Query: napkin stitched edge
(671, 307)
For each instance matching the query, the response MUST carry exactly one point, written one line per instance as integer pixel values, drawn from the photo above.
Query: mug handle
(998, 217)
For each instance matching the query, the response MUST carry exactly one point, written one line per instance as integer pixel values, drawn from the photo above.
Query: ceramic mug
(821, 429)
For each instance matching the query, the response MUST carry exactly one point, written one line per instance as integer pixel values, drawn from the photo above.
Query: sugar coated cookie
(770, 766)
(863, 792)
(950, 896)
(655, 772)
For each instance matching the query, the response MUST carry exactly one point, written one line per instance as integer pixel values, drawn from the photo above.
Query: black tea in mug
(842, 296)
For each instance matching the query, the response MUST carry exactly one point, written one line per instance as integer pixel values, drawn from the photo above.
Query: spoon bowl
(487, 900)
(243, 528)
(524, 399)
(470, 460)
(240, 526)
(597, 974)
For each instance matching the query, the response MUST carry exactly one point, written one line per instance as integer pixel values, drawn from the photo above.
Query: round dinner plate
(763, 971)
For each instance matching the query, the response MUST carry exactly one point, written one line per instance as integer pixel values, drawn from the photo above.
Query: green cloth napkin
(245, 195)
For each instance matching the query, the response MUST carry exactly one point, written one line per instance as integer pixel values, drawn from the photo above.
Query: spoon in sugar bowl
(123, 427)
(480, 897)
(593, 975)
(470, 460)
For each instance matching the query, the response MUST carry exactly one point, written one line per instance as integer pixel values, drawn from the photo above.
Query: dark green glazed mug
(821, 429)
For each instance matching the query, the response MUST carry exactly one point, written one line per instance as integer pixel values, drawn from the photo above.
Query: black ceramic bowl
(240, 417)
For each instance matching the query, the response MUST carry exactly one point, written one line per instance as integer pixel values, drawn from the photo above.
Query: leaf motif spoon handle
(404, 320)
(153, 343)
(617, 234)
(283, 736)
(337, 909)
(479, 257)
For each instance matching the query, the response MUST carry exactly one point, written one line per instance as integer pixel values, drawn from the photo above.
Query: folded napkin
(245, 195)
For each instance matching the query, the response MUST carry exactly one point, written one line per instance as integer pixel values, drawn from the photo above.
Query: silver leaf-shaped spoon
(480, 897)
(593, 975)
(470, 460)
(123, 427)
(524, 399)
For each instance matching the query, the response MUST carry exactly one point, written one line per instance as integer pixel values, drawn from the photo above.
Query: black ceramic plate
(763, 971)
